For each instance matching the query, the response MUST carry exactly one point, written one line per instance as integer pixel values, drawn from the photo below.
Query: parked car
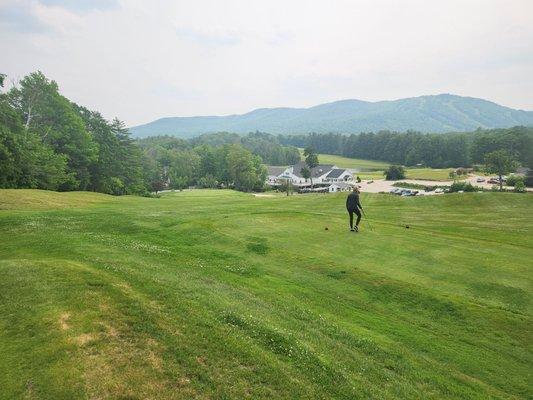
(480, 179)
(439, 190)
(394, 190)
(493, 181)
(406, 193)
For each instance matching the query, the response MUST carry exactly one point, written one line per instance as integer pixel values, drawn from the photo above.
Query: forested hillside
(441, 113)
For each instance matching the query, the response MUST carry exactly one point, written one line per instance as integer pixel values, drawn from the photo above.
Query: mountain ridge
(432, 113)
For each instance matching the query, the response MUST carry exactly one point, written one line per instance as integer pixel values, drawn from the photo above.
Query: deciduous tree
(500, 162)
(311, 160)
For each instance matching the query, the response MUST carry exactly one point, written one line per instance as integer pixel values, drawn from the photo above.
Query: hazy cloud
(142, 60)
(209, 38)
(20, 18)
(82, 5)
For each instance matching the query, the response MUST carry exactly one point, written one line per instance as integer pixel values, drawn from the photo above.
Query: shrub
(512, 180)
(520, 187)
(394, 173)
(464, 186)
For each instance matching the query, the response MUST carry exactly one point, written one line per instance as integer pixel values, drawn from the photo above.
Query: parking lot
(381, 185)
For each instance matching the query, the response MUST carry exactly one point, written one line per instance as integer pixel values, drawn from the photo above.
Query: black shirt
(352, 202)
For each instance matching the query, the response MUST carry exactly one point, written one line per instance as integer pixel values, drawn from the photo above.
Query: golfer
(353, 205)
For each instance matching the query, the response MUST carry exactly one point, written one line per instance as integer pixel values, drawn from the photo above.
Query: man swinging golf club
(353, 205)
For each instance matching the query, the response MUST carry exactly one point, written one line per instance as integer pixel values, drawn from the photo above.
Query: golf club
(367, 221)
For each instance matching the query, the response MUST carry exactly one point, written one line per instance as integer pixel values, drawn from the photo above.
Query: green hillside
(440, 113)
(223, 295)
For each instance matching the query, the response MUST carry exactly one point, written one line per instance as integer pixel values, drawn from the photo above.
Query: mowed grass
(374, 169)
(25, 199)
(356, 163)
(430, 174)
(218, 295)
(427, 174)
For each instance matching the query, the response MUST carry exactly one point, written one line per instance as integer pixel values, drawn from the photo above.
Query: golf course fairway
(213, 294)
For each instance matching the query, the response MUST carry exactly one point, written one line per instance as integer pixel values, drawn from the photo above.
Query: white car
(480, 179)
(439, 190)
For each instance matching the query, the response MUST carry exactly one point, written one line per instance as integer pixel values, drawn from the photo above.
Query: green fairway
(369, 169)
(374, 169)
(213, 294)
(430, 174)
(355, 163)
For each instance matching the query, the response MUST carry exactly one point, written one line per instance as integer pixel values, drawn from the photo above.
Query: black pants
(357, 212)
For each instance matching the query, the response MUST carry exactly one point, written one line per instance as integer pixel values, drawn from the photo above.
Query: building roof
(273, 170)
(335, 173)
(319, 170)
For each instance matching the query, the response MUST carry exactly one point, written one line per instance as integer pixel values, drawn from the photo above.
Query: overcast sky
(141, 60)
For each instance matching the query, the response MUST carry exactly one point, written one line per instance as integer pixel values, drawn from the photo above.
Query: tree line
(461, 149)
(220, 159)
(50, 142)
(262, 144)
(176, 164)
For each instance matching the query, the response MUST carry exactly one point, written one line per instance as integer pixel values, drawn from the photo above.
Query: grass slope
(218, 294)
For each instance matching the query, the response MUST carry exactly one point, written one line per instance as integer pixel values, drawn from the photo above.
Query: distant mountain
(440, 113)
